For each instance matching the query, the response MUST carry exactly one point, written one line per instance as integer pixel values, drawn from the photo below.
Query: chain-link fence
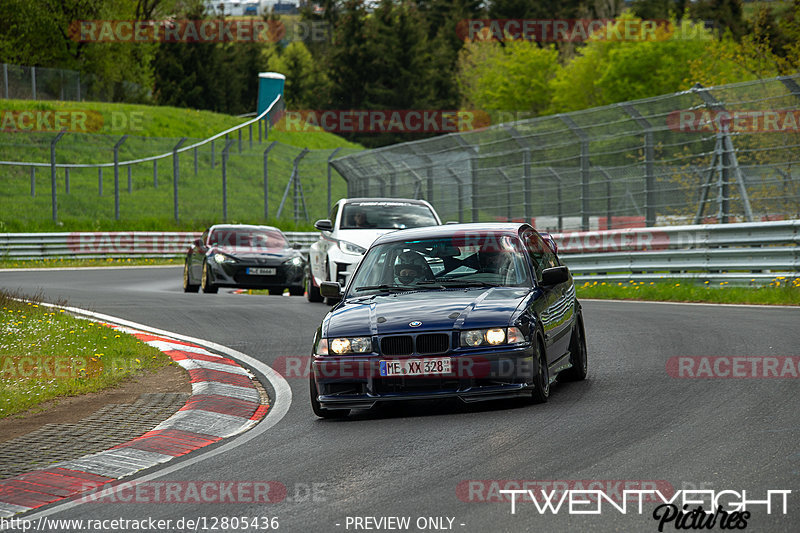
(721, 154)
(40, 83)
(239, 176)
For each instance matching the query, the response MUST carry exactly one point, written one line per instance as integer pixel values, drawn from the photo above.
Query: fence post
(225, 152)
(116, 176)
(175, 173)
(100, 181)
(130, 180)
(508, 195)
(33, 82)
(155, 173)
(266, 175)
(33, 182)
(649, 162)
(585, 168)
(555, 175)
(5, 79)
(608, 197)
(330, 158)
(240, 140)
(53, 195)
(250, 134)
(526, 171)
(473, 158)
(66, 180)
(259, 130)
(460, 194)
(195, 160)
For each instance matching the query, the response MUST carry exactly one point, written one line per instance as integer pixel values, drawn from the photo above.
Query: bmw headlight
(491, 337)
(350, 248)
(344, 345)
(222, 258)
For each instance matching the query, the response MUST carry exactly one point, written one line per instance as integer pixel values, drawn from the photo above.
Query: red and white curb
(224, 402)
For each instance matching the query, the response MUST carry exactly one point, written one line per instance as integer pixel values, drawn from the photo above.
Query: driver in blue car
(411, 267)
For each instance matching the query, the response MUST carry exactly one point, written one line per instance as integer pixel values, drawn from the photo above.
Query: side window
(541, 255)
(332, 216)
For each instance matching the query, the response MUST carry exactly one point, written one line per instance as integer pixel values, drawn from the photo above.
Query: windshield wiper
(386, 288)
(417, 286)
(463, 283)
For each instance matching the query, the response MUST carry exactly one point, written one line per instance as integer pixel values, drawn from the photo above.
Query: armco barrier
(738, 253)
(109, 244)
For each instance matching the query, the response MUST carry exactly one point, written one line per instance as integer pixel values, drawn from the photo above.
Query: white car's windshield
(441, 263)
(386, 215)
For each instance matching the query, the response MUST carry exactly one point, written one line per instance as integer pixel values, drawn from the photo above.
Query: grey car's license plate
(260, 271)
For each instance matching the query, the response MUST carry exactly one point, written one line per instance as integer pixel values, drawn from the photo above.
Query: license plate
(258, 271)
(415, 367)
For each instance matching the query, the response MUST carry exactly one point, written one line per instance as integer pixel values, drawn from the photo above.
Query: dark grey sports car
(238, 255)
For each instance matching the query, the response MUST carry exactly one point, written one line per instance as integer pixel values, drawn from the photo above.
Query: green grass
(68, 262)
(149, 207)
(781, 291)
(46, 354)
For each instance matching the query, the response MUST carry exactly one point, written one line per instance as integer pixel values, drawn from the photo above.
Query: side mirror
(330, 289)
(297, 246)
(198, 243)
(555, 275)
(323, 225)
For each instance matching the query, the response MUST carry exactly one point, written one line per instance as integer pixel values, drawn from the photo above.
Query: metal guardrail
(737, 253)
(749, 253)
(111, 244)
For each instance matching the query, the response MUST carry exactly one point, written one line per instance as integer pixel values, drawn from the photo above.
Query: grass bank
(25, 198)
(45, 354)
(781, 291)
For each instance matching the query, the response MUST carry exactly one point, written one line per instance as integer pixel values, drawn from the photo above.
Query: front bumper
(235, 275)
(356, 383)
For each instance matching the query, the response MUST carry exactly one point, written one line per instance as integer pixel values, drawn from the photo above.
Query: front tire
(187, 285)
(205, 282)
(312, 291)
(541, 381)
(578, 354)
(318, 409)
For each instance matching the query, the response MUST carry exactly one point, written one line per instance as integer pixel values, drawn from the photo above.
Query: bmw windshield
(441, 263)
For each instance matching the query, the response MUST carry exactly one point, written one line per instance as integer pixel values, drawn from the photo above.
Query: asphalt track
(630, 420)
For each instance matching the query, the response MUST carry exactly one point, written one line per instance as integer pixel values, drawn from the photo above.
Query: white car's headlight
(295, 261)
(491, 337)
(345, 345)
(350, 248)
(222, 258)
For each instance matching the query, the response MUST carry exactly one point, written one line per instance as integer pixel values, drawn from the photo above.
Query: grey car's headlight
(295, 261)
(343, 345)
(491, 337)
(350, 248)
(222, 258)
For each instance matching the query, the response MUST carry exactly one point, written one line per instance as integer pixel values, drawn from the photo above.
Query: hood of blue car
(436, 310)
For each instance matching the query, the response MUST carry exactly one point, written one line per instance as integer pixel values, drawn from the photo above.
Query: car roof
(447, 230)
(392, 200)
(243, 226)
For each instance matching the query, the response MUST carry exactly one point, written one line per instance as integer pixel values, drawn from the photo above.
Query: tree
(306, 85)
(614, 70)
(510, 76)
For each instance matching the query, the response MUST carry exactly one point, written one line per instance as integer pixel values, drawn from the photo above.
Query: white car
(353, 225)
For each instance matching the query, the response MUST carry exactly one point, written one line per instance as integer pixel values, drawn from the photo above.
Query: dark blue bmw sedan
(470, 311)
